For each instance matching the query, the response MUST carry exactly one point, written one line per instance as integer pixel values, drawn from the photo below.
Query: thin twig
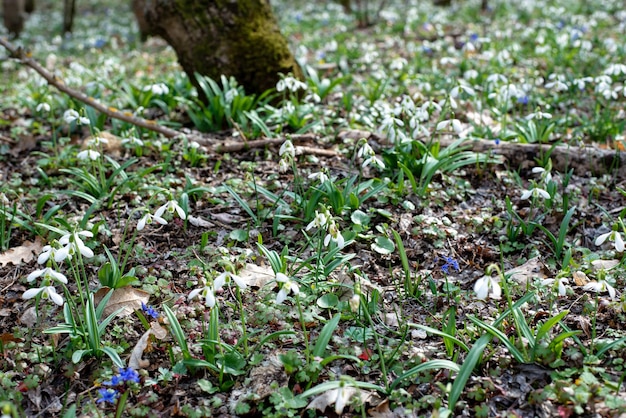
(24, 57)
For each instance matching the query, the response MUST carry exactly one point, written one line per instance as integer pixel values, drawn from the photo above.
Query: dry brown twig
(24, 58)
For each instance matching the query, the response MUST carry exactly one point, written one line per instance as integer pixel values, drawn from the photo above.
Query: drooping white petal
(31, 293)
(281, 296)
(54, 296)
(496, 290)
(35, 274)
(600, 240)
(619, 242)
(526, 194)
(481, 287)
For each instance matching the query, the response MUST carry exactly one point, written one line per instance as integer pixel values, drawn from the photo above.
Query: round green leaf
(359, 217)
(327, 301)
(383, 245)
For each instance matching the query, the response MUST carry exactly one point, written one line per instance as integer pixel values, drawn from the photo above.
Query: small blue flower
(450, 262)
(115, 380)
(522, 100)
(473, 37)
(107, 395)
(149, 310)
(497, 141)
(129, 375)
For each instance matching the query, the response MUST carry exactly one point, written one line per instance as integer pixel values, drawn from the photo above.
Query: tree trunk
(238, 38)
(13, 16)
(69, 7)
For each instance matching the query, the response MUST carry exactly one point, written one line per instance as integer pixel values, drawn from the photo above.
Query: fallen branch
(24, 57)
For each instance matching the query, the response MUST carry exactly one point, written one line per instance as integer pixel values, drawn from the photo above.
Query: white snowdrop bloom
(227, 276)
(171, 206)
(487, 286)
(48, 274)
(97, 141)
(70, 115)
(320, 221)
(455, 123)
(614, 236)
(88, 154)
(496, 78)
(133, 141)
(207, 293)
(615, 69)
(535, 192)
(600, 286)
(287, 149)
(46, 292)
(470, 74)
(147, 219)
(334, 234)
(320, 176)
(157, 89)
(43, 107)
(286, 286)
(461, 88)
(539, 115)
(72, 243)
(560, 284)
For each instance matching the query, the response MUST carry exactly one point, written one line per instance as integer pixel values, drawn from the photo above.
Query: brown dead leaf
(8, 337)
(127, 297)
(199, 222)
(24, 143)
(25, 253)
(135, 361)
(604, 264)
(112, 144)
(580, 278)
(531, 269)
(256, 276)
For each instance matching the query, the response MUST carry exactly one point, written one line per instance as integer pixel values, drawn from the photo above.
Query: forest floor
(364, 260)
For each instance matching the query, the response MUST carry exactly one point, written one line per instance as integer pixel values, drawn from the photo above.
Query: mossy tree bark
(238, 38)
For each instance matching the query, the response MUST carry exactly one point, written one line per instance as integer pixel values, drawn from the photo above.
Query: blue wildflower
(497, 141)
(473, 37)
(149, 310)
(450, 262)
(522, 100)
(129, 375)
(107, 395)
(115, 380)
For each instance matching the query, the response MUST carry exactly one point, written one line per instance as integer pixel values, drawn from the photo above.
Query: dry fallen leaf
(256, 276)
(531, 269)
(127, 297)
(199, 222)
(25, 253)
(135, 361)
(580, 278)
(604, 264)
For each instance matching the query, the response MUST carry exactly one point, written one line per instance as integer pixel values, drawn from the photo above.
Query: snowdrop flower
(343, 398)
(133, 141)
(147, 219)
(207, 293)
(614, 236)
(171, 206)
(456, 125)
(375, 161)
(615, 69)
(560, 285)
(354, 302)
(226, 277)
(48, 274)
(320, 176)
(70, 116)
(600, 286)
(535, 192)
(157, 89)
(88, 154)
(97, 141)
(290, 84)
(334, 234)
(320, 221)
(545, 174)
(46, 252)
(46, 292)
(365, 150)
(43, 107)
(286, 286)
(487, 286)
(539, 115)
(71, 244)
(287, 149)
